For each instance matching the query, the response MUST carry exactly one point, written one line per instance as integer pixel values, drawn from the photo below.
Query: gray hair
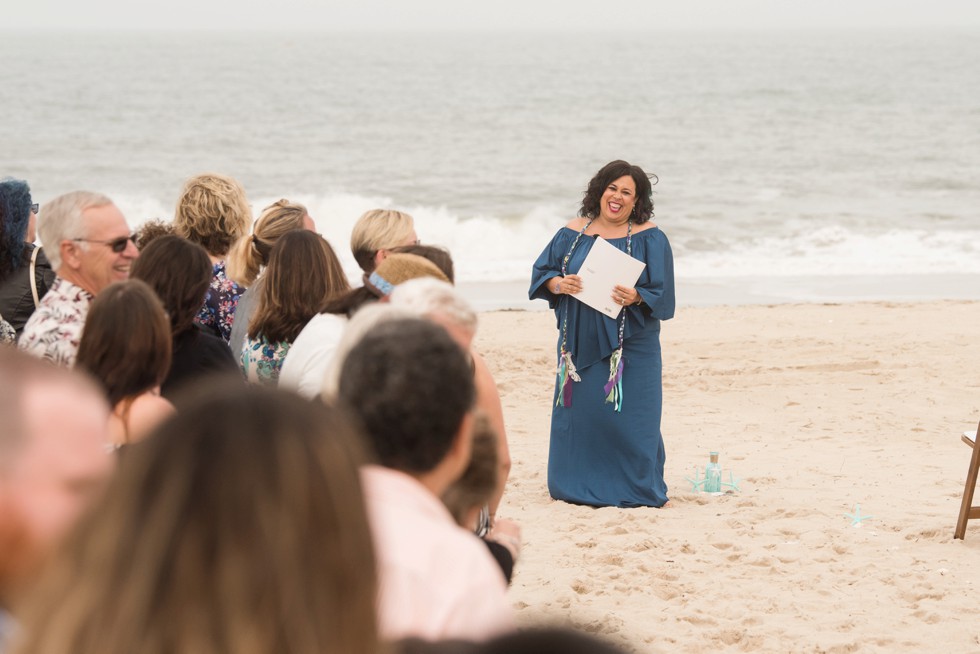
(430, 297)
(61, 220)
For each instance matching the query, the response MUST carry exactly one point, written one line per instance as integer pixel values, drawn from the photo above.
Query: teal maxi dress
(598, 456)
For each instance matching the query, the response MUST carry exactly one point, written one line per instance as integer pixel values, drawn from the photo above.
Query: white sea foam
(488, 248)
(836, 250)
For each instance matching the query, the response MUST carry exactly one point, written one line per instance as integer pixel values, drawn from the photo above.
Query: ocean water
(789, 165)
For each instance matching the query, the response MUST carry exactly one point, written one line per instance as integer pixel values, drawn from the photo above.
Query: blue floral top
(218, 313)
(261, 360)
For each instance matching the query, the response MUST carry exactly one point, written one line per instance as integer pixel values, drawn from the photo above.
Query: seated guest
(441, 303)
(412, 388)
(25, 274)
(237, 526)
(467, 498)
(152, 230)
(53, 462)
(213, 212)
(250, 254)
(309, 357)
(90, 246)
(126, 346)
(437, 255)
(303, 274)
(376, 232)
(180, 272)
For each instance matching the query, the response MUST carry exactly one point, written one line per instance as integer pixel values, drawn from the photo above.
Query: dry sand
(816, 408)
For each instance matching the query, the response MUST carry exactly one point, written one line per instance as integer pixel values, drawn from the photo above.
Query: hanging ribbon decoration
(566, 367)
(614, 387)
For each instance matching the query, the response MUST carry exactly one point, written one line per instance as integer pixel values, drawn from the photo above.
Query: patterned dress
(8, 335)
(55, 329)
(262, 361)
(218, 313)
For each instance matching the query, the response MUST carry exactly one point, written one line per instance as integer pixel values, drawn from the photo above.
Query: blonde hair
(250, 253)
(237, 526)
(212, 211)
(378, 229)
(61, 220)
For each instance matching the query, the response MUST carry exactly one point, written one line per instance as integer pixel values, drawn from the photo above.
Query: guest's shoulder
(147, 411)
(577, 224)
(324, 324)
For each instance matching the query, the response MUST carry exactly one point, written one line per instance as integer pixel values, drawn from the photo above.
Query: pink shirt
(438, 581)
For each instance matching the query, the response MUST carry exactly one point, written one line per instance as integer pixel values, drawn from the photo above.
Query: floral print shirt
(262, 361)
(55, 329)
(218, 313)
(8, 334)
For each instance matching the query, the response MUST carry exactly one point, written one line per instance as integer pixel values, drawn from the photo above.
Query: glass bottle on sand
(712, 475)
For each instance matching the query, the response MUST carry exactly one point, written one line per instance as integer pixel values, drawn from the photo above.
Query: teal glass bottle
(712, 475)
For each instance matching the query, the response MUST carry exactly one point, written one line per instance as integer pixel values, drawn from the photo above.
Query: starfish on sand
(856, 518)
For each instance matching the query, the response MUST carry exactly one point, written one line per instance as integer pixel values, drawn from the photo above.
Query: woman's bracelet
(558, 286)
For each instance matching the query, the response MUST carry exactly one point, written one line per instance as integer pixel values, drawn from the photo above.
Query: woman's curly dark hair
(15, 213)
(642, 211)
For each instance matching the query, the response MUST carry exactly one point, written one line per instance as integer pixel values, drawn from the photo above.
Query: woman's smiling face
(618, 200)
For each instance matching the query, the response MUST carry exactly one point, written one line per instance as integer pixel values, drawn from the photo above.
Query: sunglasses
(117, 245)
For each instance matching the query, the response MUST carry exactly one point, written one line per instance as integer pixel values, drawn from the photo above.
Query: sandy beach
(816, 408)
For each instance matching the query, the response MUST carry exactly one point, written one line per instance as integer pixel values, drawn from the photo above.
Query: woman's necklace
(566, 367)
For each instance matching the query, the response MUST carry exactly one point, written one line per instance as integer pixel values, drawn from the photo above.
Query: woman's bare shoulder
(147, 411)
(577, 223)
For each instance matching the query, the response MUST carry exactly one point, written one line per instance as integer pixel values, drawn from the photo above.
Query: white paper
(604, 268)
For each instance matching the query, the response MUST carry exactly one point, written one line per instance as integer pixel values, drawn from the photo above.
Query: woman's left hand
(625, 296)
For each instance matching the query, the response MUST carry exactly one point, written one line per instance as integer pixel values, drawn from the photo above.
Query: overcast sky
(497, 15)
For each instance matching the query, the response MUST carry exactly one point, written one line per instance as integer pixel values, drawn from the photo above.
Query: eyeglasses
(117, 245)
(35, 208)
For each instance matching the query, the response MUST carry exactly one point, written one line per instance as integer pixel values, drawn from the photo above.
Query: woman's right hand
(570, 284)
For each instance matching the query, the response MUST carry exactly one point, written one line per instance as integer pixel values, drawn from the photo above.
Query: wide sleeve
(656, 284)
(548, 266)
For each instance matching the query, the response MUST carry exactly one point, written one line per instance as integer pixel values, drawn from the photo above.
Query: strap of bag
(37, 300)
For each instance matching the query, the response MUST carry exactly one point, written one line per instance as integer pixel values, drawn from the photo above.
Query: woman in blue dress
(606, 445)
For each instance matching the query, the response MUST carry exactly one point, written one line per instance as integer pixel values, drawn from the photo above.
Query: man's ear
(380, 256)
(70, 254)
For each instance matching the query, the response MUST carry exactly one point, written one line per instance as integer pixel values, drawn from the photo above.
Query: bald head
(52, 460)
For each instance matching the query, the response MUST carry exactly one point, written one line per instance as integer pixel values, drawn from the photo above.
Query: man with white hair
(440, 303)
(89, 246)
(411, 386)
(52, 461)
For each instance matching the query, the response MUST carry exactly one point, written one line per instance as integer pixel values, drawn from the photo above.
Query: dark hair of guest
(126, 341)
(411, 385)
(642, 211)
(302, 275)
(179, 271)
(15, 214)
